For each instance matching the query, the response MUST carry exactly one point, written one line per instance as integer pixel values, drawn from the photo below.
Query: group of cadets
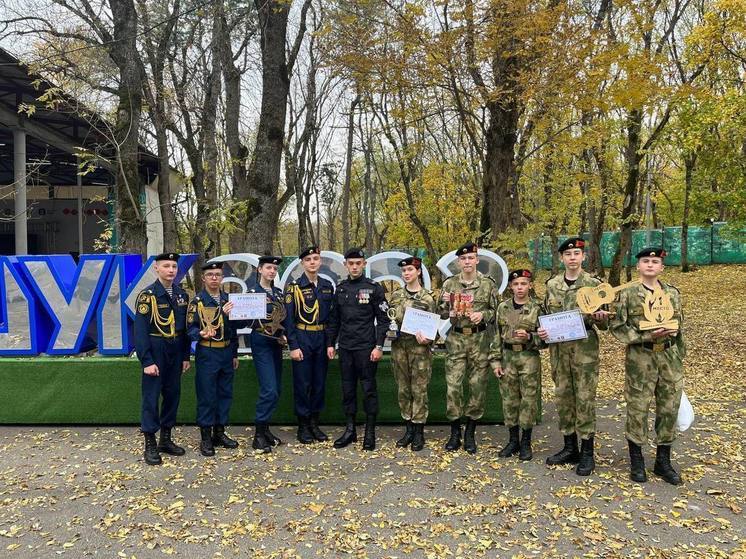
(314, 321)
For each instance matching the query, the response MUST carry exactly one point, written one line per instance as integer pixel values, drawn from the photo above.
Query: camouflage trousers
(651, 375)
(467, 357)
(519, 387)
(575, 376)
(412, 364)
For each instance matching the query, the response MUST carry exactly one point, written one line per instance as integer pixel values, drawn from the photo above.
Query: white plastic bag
(686, 414)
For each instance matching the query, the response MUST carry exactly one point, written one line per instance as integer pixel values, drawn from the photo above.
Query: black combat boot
(512, 447)
(369, 441)
(418, 437)
(273, 439)
(636, 463)
(526, 453)
(261, 441)
(219, 438)
(406, 440)
(569, 453)
(152, 457)
(317, 433)
(586, 464)
(470, 442)
(165, 444)
(305, 435)
(663, 467)
(454, 441)
(350, 434)
(206, 448)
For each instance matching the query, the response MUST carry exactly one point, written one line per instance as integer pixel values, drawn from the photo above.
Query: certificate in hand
(563, 326)
(248, 306)
(416, 320)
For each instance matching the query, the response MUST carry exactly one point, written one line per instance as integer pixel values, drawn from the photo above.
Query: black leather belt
(660, 346)
(471, 329)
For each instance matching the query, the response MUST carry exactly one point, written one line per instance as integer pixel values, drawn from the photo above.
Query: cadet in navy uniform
(163, 350)
(308, 302)
(267, 340)
(216, 358)
(359, 321)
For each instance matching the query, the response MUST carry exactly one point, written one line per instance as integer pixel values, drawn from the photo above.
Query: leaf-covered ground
(85, 492)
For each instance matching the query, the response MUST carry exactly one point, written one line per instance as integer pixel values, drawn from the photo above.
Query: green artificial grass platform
(106, 390)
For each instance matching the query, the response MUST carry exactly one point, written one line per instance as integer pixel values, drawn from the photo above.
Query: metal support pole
(19, 178)
(79, 182)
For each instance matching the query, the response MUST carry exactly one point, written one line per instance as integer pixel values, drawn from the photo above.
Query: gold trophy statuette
(393, 331)
(210, 319)
(658, 311)
(274, 320)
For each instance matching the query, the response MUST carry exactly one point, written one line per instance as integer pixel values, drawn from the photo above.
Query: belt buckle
(657, 347)
(466, 330)
(517, 347)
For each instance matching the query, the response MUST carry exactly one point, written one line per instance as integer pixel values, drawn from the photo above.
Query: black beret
(167, 256)
(309, 250)
(572, 242)
(411, 261)
(212, 266)
(266, 259)
(354, 253)
(651, 251)
(522, 273)
(466, 249)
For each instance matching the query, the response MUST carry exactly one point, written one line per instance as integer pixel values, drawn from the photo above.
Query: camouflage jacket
(629, 308)
(483, 294)
(509, 319)
(560, 297)
(401, 299)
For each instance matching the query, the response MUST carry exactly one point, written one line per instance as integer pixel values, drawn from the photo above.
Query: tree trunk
(348, 177)
(130, 222)
(633, 158)
(690, 161)
(501, 207)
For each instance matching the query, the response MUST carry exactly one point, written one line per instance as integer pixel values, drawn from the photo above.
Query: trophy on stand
(210, 320)
(274, 320)
(393, 331)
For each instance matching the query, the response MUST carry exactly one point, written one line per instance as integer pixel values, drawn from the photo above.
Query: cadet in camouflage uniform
(470, 300)
(574, 363)
(653, 366)
(514, 356)
(411, 355)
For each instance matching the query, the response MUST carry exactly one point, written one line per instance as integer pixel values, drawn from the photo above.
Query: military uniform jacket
(274, 296)
(629, 308)
(154, 308)
(226, 332)
(402, 299)
(560, 297)
(484, 298)
(358, 318)
(301, 298)
(527, 318)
